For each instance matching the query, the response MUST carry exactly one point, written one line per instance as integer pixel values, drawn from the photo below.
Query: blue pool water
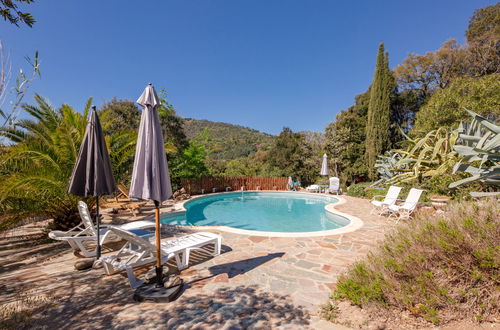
(262, 211)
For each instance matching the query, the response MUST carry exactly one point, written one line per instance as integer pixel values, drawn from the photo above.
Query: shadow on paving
(91, 301)
(28, 253)
(243, 307)
(235, 268)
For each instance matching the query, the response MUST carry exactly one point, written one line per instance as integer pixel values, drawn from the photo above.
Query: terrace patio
(256, 282)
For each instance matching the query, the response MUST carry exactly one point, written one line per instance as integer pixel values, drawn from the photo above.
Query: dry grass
(441, 268)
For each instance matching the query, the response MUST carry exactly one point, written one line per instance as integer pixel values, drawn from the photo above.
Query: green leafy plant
(479, 144)
(358, 189)
(36, 164)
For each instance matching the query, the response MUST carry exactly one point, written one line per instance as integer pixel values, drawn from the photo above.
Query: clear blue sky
(258, 63)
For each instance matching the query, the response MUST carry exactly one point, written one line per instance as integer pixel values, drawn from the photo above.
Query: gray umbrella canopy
(324, 165)
(150, 178)
(92, 174)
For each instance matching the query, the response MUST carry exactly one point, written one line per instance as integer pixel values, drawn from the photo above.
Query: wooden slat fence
(207, 184)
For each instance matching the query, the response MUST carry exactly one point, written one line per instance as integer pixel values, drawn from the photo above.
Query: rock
(84, 264)
(150, 276)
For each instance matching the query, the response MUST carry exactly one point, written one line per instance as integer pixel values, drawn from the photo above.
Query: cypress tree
(378, 132)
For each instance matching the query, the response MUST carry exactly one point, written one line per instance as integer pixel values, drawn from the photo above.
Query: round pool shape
(265, 212)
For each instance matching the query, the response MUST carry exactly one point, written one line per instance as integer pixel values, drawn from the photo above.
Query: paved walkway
(257, 282)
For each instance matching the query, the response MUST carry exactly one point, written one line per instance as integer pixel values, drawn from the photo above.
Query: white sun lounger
(405, 211)
(138, 251)
(390, 198)
(86, 231)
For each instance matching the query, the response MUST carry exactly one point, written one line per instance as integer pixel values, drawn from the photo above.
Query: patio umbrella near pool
(150, 179)
(324, 166)
(92, 174)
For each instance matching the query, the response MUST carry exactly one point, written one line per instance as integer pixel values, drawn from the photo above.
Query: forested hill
(223, 140)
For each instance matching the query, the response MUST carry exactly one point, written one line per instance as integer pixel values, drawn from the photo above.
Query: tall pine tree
(378, 133)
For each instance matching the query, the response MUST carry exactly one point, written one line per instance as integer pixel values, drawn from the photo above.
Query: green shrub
(380, 191)
(358, 190)
(437, 267)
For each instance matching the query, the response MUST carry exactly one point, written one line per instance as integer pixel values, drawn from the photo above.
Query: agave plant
(425, 157)
(387, 166)
(479, 144)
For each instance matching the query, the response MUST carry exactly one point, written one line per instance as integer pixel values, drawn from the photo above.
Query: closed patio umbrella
(150, 177)
(324, 165)
(92, 174)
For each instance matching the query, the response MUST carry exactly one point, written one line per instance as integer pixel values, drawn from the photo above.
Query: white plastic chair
(390, 198)
(138, 251)
(334, 186)
(405, 210)
(86, 231)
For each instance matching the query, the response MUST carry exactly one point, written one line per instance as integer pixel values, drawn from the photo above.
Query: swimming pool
(273, 212)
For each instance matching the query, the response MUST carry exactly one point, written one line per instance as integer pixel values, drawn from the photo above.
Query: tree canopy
(378, 137)
(424, 73)
(291, 156)
(118, 115)
(445, 107)
(484, 21)
(346, 141)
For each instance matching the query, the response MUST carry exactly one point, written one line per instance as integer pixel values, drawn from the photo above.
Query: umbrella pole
(159, 268)
(98, 248)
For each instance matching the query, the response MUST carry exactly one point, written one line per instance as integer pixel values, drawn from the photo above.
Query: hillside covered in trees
(225, 141)
(234, 150)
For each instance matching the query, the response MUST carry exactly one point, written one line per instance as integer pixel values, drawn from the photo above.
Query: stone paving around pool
(257, 282)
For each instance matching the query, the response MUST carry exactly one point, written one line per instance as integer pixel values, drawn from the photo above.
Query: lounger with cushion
(139, 251)
(390, 198)
(86, 231)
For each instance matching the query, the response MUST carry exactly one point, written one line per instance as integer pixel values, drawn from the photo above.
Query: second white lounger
(139, 251)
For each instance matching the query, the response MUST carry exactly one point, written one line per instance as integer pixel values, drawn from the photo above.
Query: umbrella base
(149, 292)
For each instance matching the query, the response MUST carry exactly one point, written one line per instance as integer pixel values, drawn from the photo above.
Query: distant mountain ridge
(229, 141)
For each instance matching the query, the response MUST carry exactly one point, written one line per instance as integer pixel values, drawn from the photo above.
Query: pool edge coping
(354, 224)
